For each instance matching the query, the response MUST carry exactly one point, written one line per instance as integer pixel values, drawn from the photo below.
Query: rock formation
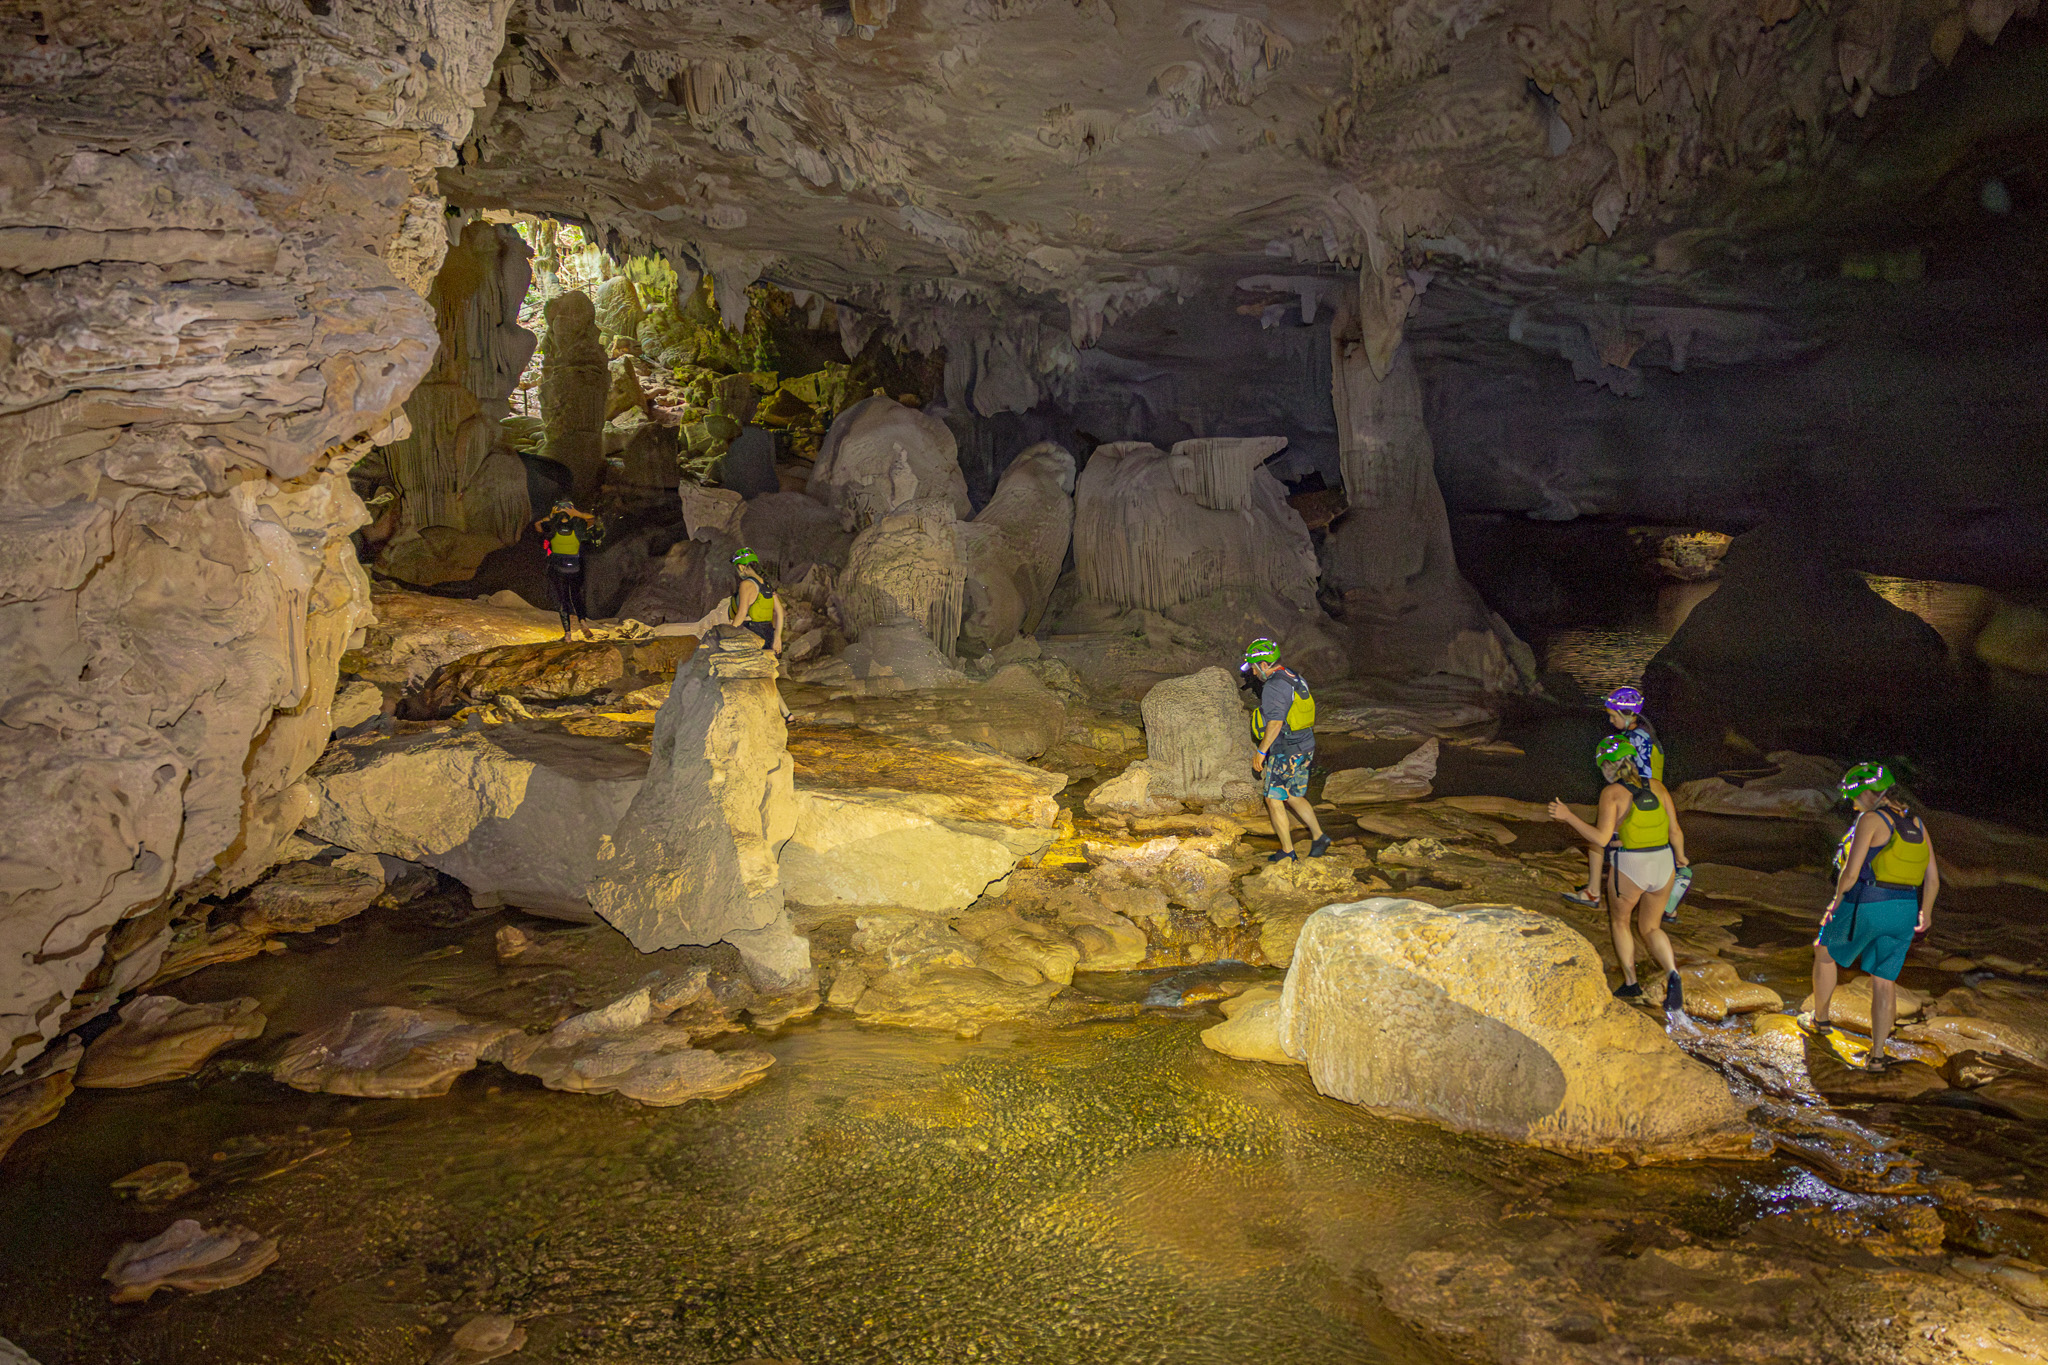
(1845, 665)
(694, 858)
(390, 1053)
(461, 490)
(161, 1039)
(879, 455)
(1198, 752)
(1016, 545)
(187, 1256)
(1390, 554)
(1493, 1020)
(907, 565)
(575, 384)
(197, 356)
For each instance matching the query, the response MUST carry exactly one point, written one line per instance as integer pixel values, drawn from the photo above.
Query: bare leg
(1306, 814)
(1618, 912)
(1824, 973)
(1596, 858)
(1650, 924)
(1884, 1007)
(1282, 829)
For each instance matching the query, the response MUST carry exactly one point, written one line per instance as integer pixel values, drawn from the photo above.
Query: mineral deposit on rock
(159, 1038)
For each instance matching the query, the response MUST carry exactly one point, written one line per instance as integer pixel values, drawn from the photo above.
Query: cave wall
(215, 227)
(1918, 434)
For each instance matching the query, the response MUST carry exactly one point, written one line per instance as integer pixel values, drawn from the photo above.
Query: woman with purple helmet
(1624, 713)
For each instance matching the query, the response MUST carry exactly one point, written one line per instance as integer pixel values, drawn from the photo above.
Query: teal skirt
(1872, 928)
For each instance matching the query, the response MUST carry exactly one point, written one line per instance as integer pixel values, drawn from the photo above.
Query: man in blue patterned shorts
(1287, 748)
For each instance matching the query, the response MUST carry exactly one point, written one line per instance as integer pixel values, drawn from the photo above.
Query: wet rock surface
(158, 1038)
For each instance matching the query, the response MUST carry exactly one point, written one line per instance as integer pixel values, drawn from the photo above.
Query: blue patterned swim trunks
(1287, 774)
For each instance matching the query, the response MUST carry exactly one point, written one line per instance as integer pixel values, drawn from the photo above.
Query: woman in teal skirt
(1883, 897)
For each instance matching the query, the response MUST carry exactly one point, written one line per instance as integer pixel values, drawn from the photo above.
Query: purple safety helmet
(1626, 700)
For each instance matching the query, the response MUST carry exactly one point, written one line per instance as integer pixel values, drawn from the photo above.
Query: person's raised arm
(1612, 800)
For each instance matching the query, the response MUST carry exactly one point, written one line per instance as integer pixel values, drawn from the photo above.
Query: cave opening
(1024, 682)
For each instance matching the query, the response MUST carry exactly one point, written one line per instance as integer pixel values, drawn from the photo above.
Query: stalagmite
(575, 383)
(909, 564)
(1015, 546)
(462, 492)
(880, 455)
(1391, 554)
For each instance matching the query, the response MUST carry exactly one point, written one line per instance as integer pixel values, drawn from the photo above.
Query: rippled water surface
(1108, 1192)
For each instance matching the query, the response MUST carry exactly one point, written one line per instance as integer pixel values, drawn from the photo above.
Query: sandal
(1580, 898)
(1817, 1027)
(1877, 1062)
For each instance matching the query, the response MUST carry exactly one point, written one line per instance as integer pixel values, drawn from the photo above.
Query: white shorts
(1651, 869)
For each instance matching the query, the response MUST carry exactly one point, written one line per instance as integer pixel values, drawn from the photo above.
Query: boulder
(791, 532)
(303, 896)
(694, 859)
(1281, 896)
(1250, 1031)
(515, 812)
(1713, 991)
(414, 634)
(748, 468)
(1493, 1020)
(355, 703)
(879, 455)
(1849, 1006)
(2016, 637)
(629, 1048)
(159, 1038)
(908, 564)
(387, 1052)
(1016, 545)
(555, 671)
(891, 656)
(1803, 788)
(1407, 780)
(1845, 667)
(1110, 941)
(187, 1256)
(888, 821)
(1198, 752)
(961, 1000)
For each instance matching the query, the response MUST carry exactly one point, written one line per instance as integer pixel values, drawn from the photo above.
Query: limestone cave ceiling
(1009, 176)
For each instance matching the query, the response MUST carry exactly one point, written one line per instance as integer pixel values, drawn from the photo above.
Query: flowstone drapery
(908, 565)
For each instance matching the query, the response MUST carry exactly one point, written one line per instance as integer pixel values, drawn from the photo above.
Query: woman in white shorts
(1639, 829)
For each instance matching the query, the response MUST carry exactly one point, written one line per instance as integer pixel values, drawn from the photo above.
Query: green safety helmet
(1262, 651)
(1618, 749)
(565, 504)
(746, 556)
(1866, 777)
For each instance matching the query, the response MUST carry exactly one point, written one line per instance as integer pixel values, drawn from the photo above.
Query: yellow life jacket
(1645, 824)
(565, 543)
(1301, 712)
(1902, 861)
(762, 608)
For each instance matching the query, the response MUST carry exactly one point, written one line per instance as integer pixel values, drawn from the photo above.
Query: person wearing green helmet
(754, 605)
(1638, 814)
(567, 534)
(1284, 727)
(1887, 879)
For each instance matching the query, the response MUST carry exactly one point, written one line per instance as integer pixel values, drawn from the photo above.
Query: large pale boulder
(1494, 1020)
(515, 812)
(1198, 752)
(909, 564)
(889, 821)
(1016, 545)
(694, 859)
(879, 455)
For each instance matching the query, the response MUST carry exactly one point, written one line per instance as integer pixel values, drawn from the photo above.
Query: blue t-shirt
(1274, 698)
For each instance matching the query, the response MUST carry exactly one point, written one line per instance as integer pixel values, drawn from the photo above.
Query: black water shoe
(1628, 990)
(1285, 855)
(1674, 994)
(1319, 847)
